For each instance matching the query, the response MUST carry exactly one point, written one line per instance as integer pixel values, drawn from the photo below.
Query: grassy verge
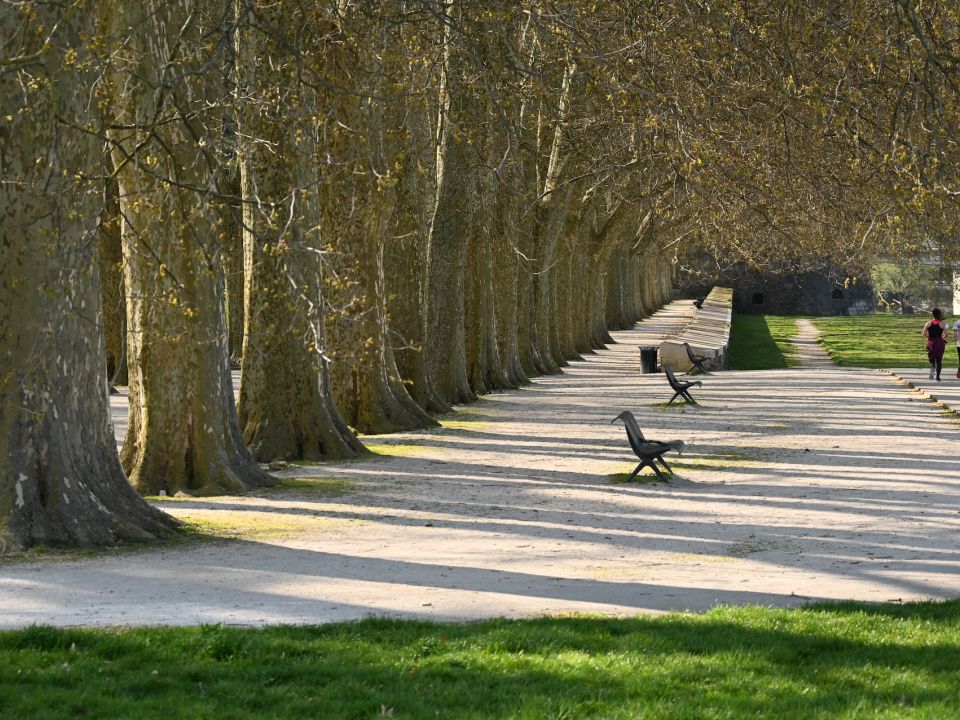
(878, 341)
(678, 403)
(761, 342)
(647, 476)
(845, 661)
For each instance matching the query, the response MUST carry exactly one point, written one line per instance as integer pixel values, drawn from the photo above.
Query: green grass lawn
(761, 342)
(843, 661)
(878, 341)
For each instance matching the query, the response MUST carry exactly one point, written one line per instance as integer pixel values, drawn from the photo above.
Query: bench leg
(688, 397)
(660, 475)
(675, 396)
(666, 465)
(637, 470)
(652, 464)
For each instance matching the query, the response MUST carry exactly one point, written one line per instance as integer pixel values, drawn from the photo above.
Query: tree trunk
(484, 368)
(529, 349)
(378, 401)
(568, 307)
(506, 288)
(233, 270)
(183, 433)
(405, 253)
(60, 480)
(550, 216)
(505, 234)
(449, 233)
(111, 286)
(631, 277)
(615, 291)
(358, 214)
(286, 406)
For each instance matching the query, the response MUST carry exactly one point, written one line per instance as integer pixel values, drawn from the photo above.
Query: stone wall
(708, 334)
(801, 293)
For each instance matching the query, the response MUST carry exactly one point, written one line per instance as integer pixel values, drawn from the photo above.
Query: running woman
(935, 332)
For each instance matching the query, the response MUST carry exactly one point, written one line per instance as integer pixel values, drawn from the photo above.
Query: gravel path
(800, 484)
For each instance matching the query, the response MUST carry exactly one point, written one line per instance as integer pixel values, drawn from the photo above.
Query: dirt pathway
(798, 484)
(806, 348)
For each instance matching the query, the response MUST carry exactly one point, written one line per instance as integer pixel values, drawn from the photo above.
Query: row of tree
(381, 209)
(396, 186)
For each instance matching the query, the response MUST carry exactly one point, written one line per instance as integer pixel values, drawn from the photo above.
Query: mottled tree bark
(405, 253)
(582, 299)
(506, 309)
(484, 367)
(568, 307)
(550, 218)
(377, 400)
(529, 349)
(286, 407)
(616, 291)
(405, 265)
(504, 239)
(183, 433)
(232, 231)
(60, 480)
(550, 215)
(111, 285)
(604, 236)
(358, 214)
(450, 231)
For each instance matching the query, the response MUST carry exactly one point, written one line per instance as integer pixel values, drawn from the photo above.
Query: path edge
(913, 386)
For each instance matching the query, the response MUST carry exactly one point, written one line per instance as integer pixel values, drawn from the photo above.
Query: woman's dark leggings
(936, 359)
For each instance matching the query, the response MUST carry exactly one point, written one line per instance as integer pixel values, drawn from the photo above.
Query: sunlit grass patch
(184, 497)
(678, 403)
(398, 450)
(318, 486)
(46, 553)
(256, 524)
(950, 414)
(480, 406)
(882, 340)
(477, 425)
(645, 477)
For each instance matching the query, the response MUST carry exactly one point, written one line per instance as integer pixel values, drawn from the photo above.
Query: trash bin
(648, 358)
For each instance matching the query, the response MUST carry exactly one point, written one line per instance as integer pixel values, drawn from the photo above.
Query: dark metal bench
(649, 451)
(696, 360)
(680, 388)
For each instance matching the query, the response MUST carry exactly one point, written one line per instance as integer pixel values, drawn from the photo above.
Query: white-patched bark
(286, 406)
(60, 479)
(168, 103)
